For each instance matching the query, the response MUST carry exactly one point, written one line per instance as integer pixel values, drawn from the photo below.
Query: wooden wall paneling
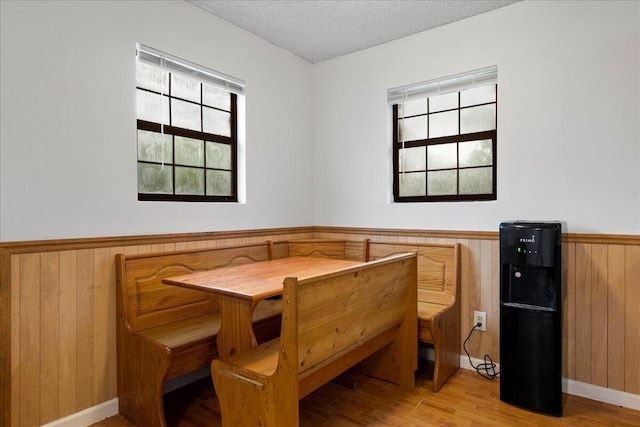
(169, 247)
(465, 267)
(84, 329)
(14, 352)
(144, 249)
(219, 243)
(632, 323)
(493, 322)
(68, 343)
(49, 336)
(474, 296)
(486, 295)
(112, 391)
(232, 242)
(247, 240)
(157, 247)
(615, 316)
(62, 309)
(197, 244)
(30, 350)
(190, 245)
(404, 239)
(50, 311)
(599, 274)
(569, 314)
(583, 313)
(131, 250)
(101, 273)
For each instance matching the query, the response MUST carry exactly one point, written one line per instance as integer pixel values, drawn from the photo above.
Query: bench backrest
(321, 248)
(327, 315)
(438, 268)
(145, 302)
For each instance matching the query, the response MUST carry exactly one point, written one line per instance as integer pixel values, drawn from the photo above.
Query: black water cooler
(531, 315)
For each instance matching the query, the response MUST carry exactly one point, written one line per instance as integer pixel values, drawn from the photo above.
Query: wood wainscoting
(601, 306)
(58, 318)
(57, 309)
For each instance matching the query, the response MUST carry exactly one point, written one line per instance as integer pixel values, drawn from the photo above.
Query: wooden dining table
(240, 288)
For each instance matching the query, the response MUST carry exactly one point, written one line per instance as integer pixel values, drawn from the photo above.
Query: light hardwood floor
(466, 400)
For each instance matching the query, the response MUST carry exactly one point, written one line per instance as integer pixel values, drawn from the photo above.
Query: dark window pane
(189, 151)
(185, 114)
(216, 122)
(413, 128)
(478, 95)
(442, 156)
(443, 124)
(154, 179)
(413, 159)
(218, 183)
(476, 181)
(442, 183)
(149, 108)
(478, 119)
(150, 147)
(447, 101)
(148, 77)
(412, 108)
(185, 87)
(189, 181)
(476, 153)
(216, 97)
(412, 184)
(218, 155)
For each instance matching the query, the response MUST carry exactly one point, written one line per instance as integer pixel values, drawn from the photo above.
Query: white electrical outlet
(480, 318)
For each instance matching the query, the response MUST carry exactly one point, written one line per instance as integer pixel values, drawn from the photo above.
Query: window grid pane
(413, 184)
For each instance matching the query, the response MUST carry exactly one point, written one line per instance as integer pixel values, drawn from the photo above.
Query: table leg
(236, 326)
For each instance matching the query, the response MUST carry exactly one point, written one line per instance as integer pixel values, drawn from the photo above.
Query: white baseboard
(110, 408)
(601, 394)
(607, 395)
(88, 416)
(577, 388)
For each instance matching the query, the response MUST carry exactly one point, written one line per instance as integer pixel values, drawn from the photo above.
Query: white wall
(318, 137)
(68, 139)
(568, 113)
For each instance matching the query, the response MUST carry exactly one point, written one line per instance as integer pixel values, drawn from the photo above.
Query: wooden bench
(438, 300)
(329, 324)
(164, 331)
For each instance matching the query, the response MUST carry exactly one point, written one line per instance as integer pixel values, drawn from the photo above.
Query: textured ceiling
(321, 30)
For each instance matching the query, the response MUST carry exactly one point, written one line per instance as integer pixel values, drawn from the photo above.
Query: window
(444, 139)
(187, 120)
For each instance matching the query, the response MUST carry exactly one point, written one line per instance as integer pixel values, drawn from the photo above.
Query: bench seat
(192, 342)
(204, 327)
(263, 359)
(427, 312)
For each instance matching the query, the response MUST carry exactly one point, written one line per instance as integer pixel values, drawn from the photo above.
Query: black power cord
(488, 366)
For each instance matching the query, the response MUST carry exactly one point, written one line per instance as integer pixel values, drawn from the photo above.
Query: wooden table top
(258, 280)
